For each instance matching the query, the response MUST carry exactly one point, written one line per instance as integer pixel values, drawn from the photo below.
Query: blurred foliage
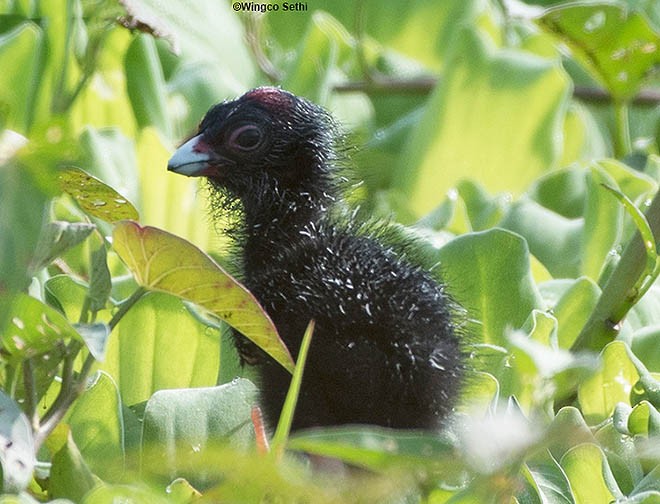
(488, 127)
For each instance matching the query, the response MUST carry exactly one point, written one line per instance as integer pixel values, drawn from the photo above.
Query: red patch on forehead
(270, 97)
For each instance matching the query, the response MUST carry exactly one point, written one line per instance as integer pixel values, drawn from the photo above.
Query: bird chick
(385, 349)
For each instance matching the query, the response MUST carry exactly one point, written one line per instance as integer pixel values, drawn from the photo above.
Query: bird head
(266, 140)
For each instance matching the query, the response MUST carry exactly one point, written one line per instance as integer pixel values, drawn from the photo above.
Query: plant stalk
(619, 292)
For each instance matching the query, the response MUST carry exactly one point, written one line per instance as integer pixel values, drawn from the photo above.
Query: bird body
(385, 349)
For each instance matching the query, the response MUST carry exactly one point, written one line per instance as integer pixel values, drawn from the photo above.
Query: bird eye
(246, 138)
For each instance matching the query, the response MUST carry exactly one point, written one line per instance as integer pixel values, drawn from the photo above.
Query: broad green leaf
(66, 294)
(97, 427)
(602, 223)
(24, 192)
(551, 482)
(56, 238)
(19, 49)
(645, 346)
(70, 476)
(567, 430)
(100, 282)
(34, 328)
(164, 262)
(584, 466)
(622, 456)
(617, 44)
(573, 309)
(612, 384)
(491, 274)
(556, 244)
(158, 345)
(467, 127)
(483, 210)
(95, 197)
(146, 84)
(562, 191)
(182, 426)
(16, 446)
(377, 448)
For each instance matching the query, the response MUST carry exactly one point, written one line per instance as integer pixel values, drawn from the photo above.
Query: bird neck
(277, 223)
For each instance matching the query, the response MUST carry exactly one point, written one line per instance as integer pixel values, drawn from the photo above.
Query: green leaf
(157, 345)
(491, 274)
(145, 84)
(97, 427)
(612, 384)
(377, 448)
(24, 192)
(584, 466)
(100, 282)
(16, 446)
(19, 59)
(96, 198)
(467, 126)
(556, 243)
(35, 328)
(183, 426)
(70, 476)
(288, 409)
(164, 262)
(573, 309)
(602, 224)
(617, 44)
(56, 238)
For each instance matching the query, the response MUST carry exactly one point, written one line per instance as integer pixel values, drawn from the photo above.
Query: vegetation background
(519, 140)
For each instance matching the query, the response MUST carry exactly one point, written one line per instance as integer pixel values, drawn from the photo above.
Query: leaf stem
(621, 291)
(30, 393)
(126, 305)
(622, 144)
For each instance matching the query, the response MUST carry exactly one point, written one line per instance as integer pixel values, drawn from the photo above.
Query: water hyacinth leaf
(100, 282)
(145, 84)
(584, 466)
(573, 309)
(70, 477)
(147, 352)
(614, 42)
(95, 197)
(164, 262)
(612, 384)
(182, 425)
(16, 446)
(97, 427)
(377, 448)
(56, 238)
(603, 218)
(467, 127)
(35, 328)
(487, 262)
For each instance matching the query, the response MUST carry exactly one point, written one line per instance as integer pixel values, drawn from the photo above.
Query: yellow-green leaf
(96, 198)
(164, 262)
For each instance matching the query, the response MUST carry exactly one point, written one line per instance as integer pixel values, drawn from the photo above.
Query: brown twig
(425, 84)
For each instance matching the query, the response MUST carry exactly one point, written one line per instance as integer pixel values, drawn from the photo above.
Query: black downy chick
(385, 349)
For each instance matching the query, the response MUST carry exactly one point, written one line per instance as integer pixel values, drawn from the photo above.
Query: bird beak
(192, 158)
